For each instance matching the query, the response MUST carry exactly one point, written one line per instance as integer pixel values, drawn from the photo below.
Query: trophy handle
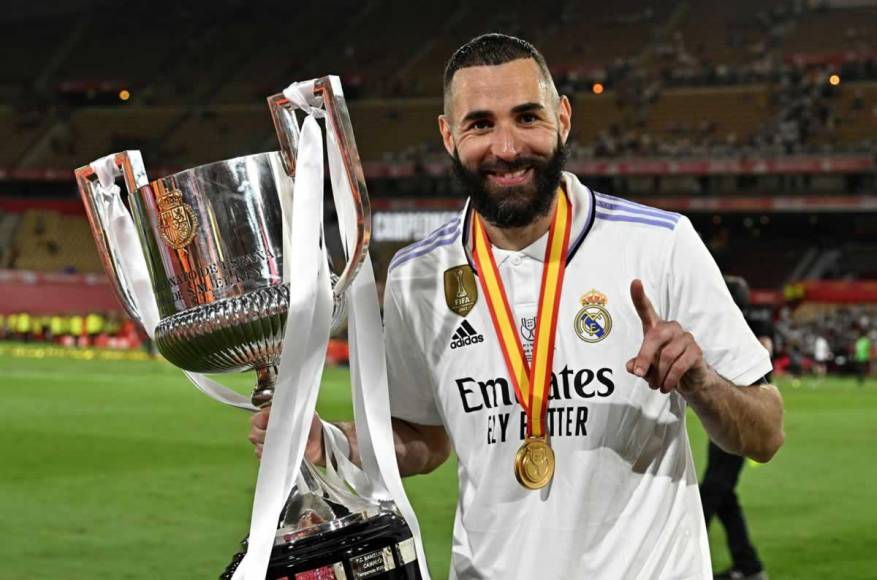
(287, 129)
(338, 122)
(129, 164)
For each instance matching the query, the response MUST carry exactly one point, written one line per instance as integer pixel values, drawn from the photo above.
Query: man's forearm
(419, 449)
(741, 420)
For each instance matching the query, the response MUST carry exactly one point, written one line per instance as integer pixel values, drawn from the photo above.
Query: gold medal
(534, 463)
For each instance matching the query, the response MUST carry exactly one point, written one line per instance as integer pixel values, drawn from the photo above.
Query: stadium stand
(721, 32)
(93, 131)
(856, 261)
(197, 91)
(855, 118)
(48, 241)
(677, 122)
(685, 122)
(8, 226)
(737, 259)
(19, 129)
(688, 81)
(832, 30)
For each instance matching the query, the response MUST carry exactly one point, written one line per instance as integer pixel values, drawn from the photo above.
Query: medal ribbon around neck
(531, 382)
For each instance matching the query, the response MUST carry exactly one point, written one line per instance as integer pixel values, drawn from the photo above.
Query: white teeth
(514, 174)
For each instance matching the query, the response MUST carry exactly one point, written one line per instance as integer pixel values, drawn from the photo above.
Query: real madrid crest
(593, 323)
(461, 289)
(177, 221)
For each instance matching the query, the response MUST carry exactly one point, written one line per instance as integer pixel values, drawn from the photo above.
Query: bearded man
(553, 337)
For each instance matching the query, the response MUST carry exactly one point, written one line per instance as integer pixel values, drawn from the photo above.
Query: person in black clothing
(717, 490)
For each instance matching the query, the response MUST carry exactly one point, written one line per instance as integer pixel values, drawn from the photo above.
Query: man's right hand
(419, 448)
(314, 449)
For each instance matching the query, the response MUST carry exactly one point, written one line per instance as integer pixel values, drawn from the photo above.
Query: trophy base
(378, 548)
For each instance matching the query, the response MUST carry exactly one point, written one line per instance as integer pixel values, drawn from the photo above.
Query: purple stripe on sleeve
(639, 220)
(441, 232)
(608, 201)
(639, 210)
(400, 259)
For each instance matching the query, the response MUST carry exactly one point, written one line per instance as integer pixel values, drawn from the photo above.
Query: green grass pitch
(121, 469)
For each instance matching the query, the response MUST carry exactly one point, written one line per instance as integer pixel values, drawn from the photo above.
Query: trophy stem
(264, 390)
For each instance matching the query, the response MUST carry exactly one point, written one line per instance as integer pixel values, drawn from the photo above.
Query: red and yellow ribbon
(531, 383)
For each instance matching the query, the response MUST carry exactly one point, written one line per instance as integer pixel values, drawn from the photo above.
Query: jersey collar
(582, 200)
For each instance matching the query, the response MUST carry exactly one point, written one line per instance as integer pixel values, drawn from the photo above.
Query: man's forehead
(498, 88)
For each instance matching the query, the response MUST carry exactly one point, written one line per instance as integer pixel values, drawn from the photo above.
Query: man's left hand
(669, 357)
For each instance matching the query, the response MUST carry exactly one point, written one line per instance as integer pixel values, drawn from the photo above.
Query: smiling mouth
(510, 178)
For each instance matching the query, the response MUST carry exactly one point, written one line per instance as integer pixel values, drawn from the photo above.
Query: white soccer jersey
(624, 501)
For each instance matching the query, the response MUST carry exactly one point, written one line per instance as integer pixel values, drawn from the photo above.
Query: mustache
(508, 166)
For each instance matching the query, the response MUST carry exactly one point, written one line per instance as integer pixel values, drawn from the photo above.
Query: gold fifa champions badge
(177, 221)
(461, 289)
(592, 322)
(534, 463)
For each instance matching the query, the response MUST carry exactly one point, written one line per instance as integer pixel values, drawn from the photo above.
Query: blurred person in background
(67, 338)
(11, 326)
(77, 329)
(42, 331)
(821, 356)
(94, 326)
(862, 356)
(717, 491)
(23, 326)
(56, 328)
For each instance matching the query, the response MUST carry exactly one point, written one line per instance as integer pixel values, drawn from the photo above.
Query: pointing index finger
(643, 305)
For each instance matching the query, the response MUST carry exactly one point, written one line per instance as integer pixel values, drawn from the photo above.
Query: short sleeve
(408, 375)
(700, 301)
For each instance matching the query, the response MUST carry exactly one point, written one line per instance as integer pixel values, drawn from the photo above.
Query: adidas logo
(465, 336)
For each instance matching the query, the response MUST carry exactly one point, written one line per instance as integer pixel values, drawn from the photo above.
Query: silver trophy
(213, 242)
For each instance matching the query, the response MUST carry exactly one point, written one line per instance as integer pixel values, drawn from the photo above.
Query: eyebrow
(527, 107)
(522, 108)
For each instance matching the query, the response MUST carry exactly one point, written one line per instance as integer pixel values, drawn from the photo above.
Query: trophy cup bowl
(213, 239)
(213, 235)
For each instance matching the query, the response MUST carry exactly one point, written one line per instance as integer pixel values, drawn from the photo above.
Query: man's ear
(445, 130)
(564, 117)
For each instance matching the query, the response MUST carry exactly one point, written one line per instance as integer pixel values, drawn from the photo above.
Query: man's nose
(506, 145)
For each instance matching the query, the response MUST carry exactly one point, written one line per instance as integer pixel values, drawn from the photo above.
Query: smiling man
(553, 336)
(510, 128)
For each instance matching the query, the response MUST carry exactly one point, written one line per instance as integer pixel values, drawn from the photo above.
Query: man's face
(505, 134)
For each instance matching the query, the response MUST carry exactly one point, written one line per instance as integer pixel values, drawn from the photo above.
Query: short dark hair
(490, 50)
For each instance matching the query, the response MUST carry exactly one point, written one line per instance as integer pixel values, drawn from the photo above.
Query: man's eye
(528, 118)
(480, 125)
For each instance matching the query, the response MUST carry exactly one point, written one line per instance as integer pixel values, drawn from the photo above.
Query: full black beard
(513, 207)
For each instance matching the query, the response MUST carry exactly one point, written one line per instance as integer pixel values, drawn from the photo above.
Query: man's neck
(516, 239)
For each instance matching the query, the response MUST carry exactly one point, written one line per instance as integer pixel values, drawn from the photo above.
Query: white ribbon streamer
(302, 360)
(122, 236)
(368, 367)
(342, 196)
(371, 400)
(129, 257)
(301, 94)
(339, 469)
